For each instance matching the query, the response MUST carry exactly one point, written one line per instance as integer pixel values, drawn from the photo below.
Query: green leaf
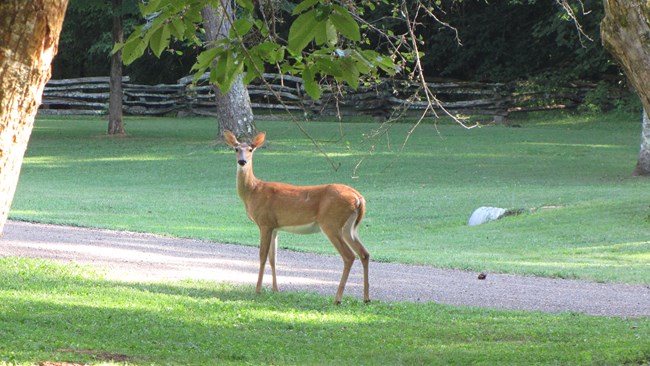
(205, 58)
(254, 66)
(233, 69)
(117, 47)
(218, 74)
(386, 64)
(178, 28)
(329, 67)
(306, 4)
(350, 72)
(241, 26)
(311, 85)
(302, 31)
(191, 33)
(363, 65)
(270, 51)
(266, 48)
(326, 33)
(246, 4)
(149, 7)
(344, 23)
(323, 12)
(279, 55)
(159, 40)
(224, 73)
(133, 49)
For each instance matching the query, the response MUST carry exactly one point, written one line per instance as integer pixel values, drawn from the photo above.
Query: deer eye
(237, 149)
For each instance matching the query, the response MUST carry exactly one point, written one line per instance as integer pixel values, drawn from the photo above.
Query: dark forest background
(502, 41)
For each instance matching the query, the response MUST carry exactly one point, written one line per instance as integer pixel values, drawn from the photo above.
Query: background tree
(625, 32)
(233, 106)
(115, 122)
(29, 34)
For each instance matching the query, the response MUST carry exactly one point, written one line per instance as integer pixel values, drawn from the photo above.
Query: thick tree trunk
(29, 38)
(625, 31)
(234, 107)
(115, 124)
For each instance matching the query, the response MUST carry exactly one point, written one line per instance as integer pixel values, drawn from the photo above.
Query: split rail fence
(284, 93)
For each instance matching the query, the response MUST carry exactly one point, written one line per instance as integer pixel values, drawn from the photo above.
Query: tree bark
(233, 107)
(643, 164)
(29, 38)
(625, 31)
(115, 123)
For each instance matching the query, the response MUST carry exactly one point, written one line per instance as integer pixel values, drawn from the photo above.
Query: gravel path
(138, 257)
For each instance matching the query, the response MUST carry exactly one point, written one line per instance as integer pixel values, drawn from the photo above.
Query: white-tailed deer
(333, 209)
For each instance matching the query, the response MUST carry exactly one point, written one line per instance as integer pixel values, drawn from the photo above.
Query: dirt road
(138, 257)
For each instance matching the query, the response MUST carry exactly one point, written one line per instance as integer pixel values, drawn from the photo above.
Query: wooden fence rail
(286, 93)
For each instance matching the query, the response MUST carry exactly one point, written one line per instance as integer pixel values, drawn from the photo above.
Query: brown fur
(335, 209)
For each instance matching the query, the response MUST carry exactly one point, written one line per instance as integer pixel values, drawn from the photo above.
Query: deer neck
(246, 181)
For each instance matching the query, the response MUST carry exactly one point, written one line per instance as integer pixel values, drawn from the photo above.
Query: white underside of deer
(333, 209)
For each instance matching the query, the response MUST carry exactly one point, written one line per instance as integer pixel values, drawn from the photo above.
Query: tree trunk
(643, 164)
(29, 38)
(233, 107)
(115, 124)
(625, 31)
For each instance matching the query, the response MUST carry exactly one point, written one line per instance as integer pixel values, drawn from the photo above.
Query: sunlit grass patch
(52, 312)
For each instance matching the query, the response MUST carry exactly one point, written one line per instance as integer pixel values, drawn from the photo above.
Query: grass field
(54, 313)
(588, 217)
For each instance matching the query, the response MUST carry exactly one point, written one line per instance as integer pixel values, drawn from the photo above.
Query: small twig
(569, 10)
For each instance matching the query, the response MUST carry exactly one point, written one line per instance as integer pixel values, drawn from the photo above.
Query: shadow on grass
(50, 313)
(56, 313)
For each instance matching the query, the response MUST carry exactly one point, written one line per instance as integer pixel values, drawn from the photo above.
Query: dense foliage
(499, 41)
(85, 46)
(506, 40)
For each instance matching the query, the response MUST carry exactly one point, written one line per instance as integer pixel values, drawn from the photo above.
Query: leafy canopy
(252, 44)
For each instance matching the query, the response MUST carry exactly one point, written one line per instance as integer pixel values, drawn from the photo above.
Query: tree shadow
(69, 317)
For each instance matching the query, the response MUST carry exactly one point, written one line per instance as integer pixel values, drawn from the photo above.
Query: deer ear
(259, 139)
(230, 138)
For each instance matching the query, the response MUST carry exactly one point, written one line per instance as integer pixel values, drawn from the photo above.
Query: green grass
(51, 312)
(168, 177)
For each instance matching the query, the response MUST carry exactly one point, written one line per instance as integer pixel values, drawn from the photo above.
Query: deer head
(244, 150)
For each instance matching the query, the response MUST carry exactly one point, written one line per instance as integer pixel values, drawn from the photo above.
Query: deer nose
(241, 162)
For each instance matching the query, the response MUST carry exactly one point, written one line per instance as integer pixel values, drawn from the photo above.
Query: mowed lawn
(586, 216)
(53, 314)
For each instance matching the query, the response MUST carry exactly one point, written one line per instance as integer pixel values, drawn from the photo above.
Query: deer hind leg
(266, 238)
(351, 238)
(336, 237)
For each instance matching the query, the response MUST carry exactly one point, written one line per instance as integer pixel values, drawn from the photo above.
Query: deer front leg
(265, 243)
(273, 251)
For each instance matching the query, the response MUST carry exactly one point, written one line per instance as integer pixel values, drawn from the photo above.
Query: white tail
(334, 209)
